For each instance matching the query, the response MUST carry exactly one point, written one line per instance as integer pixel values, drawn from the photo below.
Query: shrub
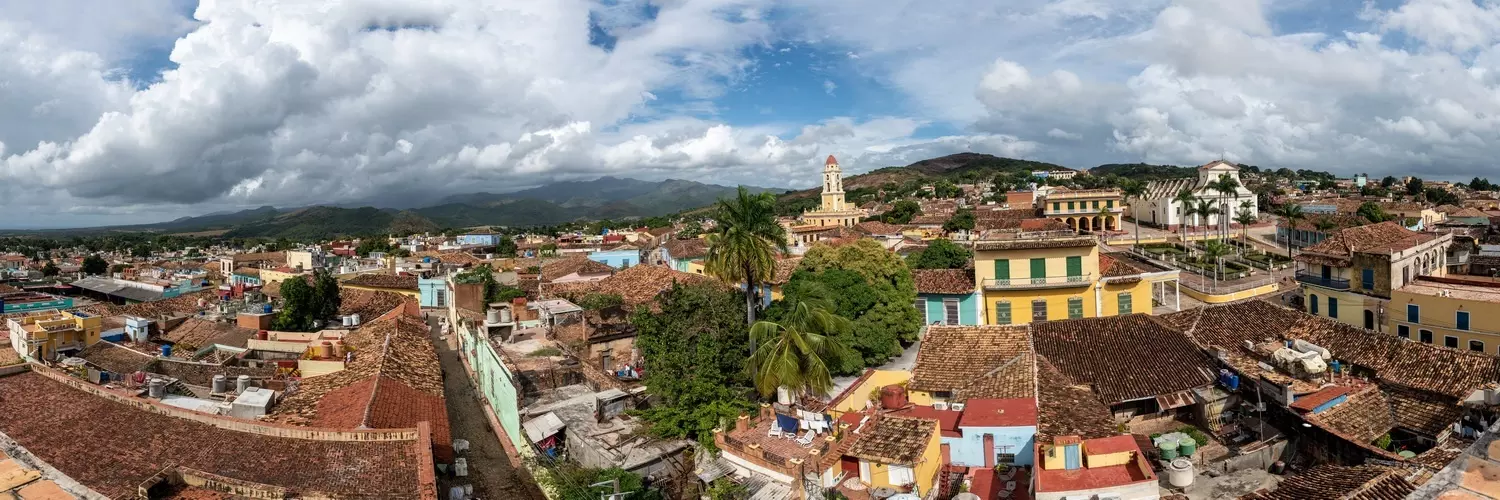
(1197, 435)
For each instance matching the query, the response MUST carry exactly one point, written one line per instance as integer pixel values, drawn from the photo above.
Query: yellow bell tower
(833, 187)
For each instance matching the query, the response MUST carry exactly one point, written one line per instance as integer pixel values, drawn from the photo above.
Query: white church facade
(1159, 206)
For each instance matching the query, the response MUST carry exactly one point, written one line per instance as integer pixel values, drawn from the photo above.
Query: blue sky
(292, 104)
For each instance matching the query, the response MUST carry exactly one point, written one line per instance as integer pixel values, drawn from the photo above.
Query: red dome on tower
(831, 161)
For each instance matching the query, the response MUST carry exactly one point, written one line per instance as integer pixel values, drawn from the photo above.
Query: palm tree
(1226, 185)
(1245, 218)
(795, 352)
(1290, 213)
(1184, 200)
(1205, 210)
(1134, 192)
(742, 247)
(1324, 224)
(1213, 251)
(1103, 215)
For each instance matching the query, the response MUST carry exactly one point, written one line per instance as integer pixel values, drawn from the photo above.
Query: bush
(1197, 435)
(1383, 442)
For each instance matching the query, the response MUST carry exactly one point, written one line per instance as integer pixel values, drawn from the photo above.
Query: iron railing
(1320, 280)
(1039, 282)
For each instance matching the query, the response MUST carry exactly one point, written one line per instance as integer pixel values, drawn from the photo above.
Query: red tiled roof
(831, 161)
(384, 281)
(117, 447)
(1108, 445)
(1312, 401)
(944, 281)
(1107, 352)
(1014, 412)
(947, 419)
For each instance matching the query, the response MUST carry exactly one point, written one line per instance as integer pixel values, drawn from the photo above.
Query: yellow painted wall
(1439, 315)
(268, 275)
(925, 472)
(1105, 460)
(313, 367)
(1230, 297)
(922, 398)
(416, 294)
(1351, 305)
(1140, 297)
(1020, 261)
(1020, 268)
(1020, 303)
(1052, 457)
(857, 397)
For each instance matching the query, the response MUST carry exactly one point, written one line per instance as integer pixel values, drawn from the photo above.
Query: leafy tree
(743, 245)
(795, 352)
(298, 308)
(95, 264)
(696, 347)
(1414, 186)
(725, 488)
(1226, 185)
(600, 301)
(1372, 212)
(878, 297)
(506, 247)
(901, 212)
(961, 220)
(1441, 197)
(690, 229)
(940, 254)
(50, 269)
(1245, 218)
(1481, 184)
(945, 189)
(1205, 210)
(1213, 251)
(141, 250)
(493, 290)
(1327, 184)
(368, 245)
(1324, 223)
(118, 268)
(548, 249)
(570, 481)
(1388, 182)
(326, 298)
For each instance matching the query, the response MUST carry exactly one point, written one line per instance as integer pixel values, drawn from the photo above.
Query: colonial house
(1350, 276)
(946, 296)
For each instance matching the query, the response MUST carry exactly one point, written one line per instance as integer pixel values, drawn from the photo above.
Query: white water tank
(492, 316)
(241, 383)
(220, 384)
(1305, 346)
(356, 318)
(156, 388)
(505, 315)
(1180, 472)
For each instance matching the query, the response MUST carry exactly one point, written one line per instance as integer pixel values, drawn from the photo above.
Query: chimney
(742, 423)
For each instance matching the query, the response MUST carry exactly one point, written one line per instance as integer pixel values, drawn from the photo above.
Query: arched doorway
(1072, 223)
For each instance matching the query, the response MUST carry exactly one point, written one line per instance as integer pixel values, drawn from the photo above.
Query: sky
(131, 112)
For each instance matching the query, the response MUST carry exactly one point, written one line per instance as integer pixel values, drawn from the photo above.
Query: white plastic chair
(775, 430)
(806, 439)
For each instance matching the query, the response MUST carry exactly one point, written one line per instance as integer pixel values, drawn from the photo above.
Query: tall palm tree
(1213, 251)
(1291, 213)
(1226, 185)
(742, 247)
(1184, 201)
(1103, 216)
(1134, 192)
(1205, 210)
(795, 353)
(1245, 218)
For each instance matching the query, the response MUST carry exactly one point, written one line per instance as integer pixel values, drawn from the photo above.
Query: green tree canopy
(867, 284)
(795, 351)
(901, 212)
(50, 269)
(506, 247)
(1372, 212)
(940, 254)
(599, 301)
(1482, 184)
(961, 220)
(744, 242)
(695, 350)
(570, 481)
(1414, 186)
(95, 264)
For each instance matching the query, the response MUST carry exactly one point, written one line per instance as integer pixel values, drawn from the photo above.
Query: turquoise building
(433, 292)
(995, 431)
(618, 259)
(947, 296)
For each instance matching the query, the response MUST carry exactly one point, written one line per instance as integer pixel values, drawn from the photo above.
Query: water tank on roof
(1180, 472)
(1305, 346)
(492, 316)
(221, 383)
(241, 383)
(356, 318)
(505, 315)
(267, 308)
(166, 351)
(892, 397)
(157, 388)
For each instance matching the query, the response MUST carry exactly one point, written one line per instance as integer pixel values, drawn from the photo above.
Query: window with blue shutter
(1312, 303)
(1367, 279)
(1463, 320)
(1333, 307)
(1411, 313)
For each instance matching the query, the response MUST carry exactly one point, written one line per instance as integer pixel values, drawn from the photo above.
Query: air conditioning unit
(958, 407)
(940, 405)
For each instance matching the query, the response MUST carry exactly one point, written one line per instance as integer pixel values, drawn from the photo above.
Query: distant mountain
(953, 167)
(1144, 171)
(611, 196)
(324, 222)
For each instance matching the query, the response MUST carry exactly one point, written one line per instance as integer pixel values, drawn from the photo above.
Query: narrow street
(490, 472)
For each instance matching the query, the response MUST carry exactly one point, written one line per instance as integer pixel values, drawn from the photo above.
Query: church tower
(833, 186)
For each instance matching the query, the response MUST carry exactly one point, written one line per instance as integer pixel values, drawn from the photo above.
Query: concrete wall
(968, 308)
(1145, 490)
(428, 290)
(969, 450)
(618, 259)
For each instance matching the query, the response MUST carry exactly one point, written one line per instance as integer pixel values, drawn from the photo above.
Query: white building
(1160, 208)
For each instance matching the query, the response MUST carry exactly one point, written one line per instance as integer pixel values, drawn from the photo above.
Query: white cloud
(829, 86)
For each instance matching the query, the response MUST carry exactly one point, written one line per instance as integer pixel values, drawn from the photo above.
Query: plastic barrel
(1187, 447)
(1168, 449)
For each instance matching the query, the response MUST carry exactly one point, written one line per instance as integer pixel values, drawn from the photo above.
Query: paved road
(489, 470)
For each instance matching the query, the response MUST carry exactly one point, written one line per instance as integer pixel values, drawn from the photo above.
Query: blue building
(434, 292)
(247, 276)
(995, 431)
(19, 302)
(947, 296)
(618, 259)
(484, 238)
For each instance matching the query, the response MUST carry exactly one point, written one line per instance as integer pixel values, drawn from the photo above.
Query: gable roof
(581, 265)
(1363, 417)
(636, 285)
(944, 281)
(384, 281)
(785, 266)
(1361, 482)
(877, 228)
(693, 248)
(1123, 357)
(894, 440)
(196, 333)
(1065, 409)
(1384, 237)
(971, 359)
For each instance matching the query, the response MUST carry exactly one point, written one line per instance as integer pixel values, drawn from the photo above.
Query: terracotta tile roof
(1065, 409)
(395, 348)
(112, 357)
(579, 264)
(894, 440)
(261, 257)
(1115, 267)
(248, 271)
(1361, 482)
(194, 334)
(455, 258)
(636, 285)
(975, 362)
(4, 288)
(384, 281)
(785, 266)
(944, 281)
(175, 306)
(368, 304)
(1035, 243)
(1384, 237)
(929, 220)
(1421, 410)
(1365, 416)
(118, 447)
(877, 228)
(692, 248)
(1042, 224)
(1112, 354)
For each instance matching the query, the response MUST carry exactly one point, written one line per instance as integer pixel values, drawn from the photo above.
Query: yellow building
(899, 452)
(1085, 209)
(43, 335)
(1351, 275)
(1050, 276)
(833, 210)
(1461, 312)
(278, 275)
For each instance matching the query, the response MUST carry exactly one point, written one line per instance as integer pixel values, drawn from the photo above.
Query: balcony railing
(1038, 282)
(1079, 211)
(1319, 280)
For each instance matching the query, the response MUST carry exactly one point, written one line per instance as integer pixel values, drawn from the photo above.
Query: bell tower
(833, 186)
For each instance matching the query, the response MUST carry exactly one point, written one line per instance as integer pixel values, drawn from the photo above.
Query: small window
(921, 305)
(950, 311)
(1476, 346)
(1450, 341)
(1403, 331)
(1367, 279)
(1072, 206)
(1109, 203)
(440, 298)
(1425, 336)
(1126, 306)
(1312, 303)
(1002, 312)
(1005, 458)
(1075, 308)
(1412, 313)
(1463, 320)
(1038, 310)
(1333, 307)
